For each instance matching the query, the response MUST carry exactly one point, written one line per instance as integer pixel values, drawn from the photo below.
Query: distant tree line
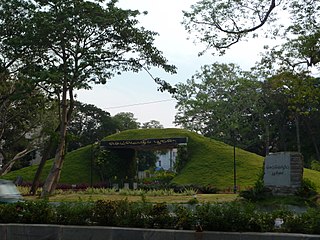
(275, 105)
(280, 113)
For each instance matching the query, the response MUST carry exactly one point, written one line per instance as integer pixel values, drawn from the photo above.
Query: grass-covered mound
(210, 162)
(76, 168)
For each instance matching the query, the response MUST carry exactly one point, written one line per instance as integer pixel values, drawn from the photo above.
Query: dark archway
(127, 150)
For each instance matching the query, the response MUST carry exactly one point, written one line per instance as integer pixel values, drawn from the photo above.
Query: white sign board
(277, 170)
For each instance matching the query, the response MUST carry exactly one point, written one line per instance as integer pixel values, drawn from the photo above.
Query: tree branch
(262, 22)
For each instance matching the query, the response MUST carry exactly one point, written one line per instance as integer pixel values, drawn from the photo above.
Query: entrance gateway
(168, 147)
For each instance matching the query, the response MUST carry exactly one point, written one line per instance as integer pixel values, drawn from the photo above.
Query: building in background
(167, 160)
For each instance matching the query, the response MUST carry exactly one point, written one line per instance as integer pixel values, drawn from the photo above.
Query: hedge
(230, 217)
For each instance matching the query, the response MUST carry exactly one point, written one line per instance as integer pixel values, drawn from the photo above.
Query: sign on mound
(152, 142)
(283, 172)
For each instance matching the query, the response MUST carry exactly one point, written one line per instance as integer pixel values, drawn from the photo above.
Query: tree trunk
(7, 167)
(35, 183)
(57, 177)
(45, 156)
(54, 172)
(69, 114)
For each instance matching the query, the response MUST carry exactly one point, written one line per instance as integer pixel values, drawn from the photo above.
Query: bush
(315, 165)
(206, 189)
(74, 213)
(104, 213)
(258, 191)
(183, 218)
(159, 216)
(231, 217)
(27, 212)
(308, 189)
(225, 217)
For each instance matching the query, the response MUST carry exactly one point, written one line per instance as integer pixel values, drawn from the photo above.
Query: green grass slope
(76, 168)
(210, 162)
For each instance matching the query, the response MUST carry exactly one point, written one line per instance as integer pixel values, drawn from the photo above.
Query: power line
(139, 104)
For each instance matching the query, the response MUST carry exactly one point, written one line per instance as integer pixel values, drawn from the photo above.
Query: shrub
(104, 213)
(27, 212)
(131, 214)
(225, 217)
(308, 189)
(74, 213)
(10, 213)
(206, 189)
(235, 216)
(258, 191)
(307, 222)
(315, 165)
(261, 222)
(159, 216)
(183, 218)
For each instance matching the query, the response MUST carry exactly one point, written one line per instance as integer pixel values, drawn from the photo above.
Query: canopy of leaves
(125, 121)
(219, 24)
(219, 101)
(26, 118)
(88, 125)
(87, 42)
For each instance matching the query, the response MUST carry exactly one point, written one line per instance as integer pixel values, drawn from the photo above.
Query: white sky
(164, 17)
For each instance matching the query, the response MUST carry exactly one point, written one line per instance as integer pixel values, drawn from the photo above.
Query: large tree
(219, 24)
(125, 121)
(221, 101)
(88, 125)
(74, 43)
(152, 124)
(25, 120)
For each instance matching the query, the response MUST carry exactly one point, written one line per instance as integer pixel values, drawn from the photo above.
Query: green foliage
(120, 213)
(222, 99)
(88, 125)
(195, 188)
(257, 192)
(146, 160)
(193, 201)
(24, 109)
(229, 217)
(105, 212)
(182, 158)
(152, 124)
(79, 213)
(125, 121)
(159, 216)
(63, 46)
(315, 165)
(162, 177)
(115, 164)
(307, 222)
(225, 217)
(184, 218)
(308, 189)
(27, 212)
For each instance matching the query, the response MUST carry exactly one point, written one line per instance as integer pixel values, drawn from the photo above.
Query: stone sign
(283, 172)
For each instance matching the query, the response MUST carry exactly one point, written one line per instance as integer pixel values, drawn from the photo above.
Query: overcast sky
(136, 92)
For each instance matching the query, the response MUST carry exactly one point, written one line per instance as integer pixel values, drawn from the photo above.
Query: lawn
(181, 199)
